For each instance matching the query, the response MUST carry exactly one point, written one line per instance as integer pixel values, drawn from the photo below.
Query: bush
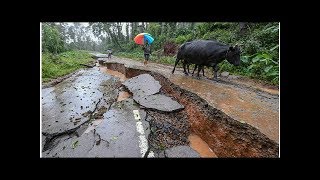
(52, 41)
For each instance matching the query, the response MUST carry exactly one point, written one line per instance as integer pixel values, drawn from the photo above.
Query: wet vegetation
(259, 42)
(54, 66)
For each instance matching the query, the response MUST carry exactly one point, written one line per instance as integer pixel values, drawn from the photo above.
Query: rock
(159, 102)
(181, 152)
(225, 74)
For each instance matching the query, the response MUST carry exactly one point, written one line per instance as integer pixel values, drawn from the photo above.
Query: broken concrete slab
(118, 135)
(181, 152)
(63, 105)
(144, 88)
(71, 146)
(142, 85)
(159, 102)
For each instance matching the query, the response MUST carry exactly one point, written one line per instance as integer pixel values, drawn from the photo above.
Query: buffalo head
(233, 55)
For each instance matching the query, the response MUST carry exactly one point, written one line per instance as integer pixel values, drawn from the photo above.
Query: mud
(123, 95)
(200, 146)
(117, 74)
(225, 136)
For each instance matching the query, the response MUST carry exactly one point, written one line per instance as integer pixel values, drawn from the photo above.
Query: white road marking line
(143, 143)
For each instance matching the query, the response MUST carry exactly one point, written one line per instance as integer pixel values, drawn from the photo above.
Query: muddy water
(123, 95)
(113, 73)
(200, 146)
(237, 103)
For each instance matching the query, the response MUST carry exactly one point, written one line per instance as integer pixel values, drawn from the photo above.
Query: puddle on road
(123, 95)
(200, 146)
(113, 73)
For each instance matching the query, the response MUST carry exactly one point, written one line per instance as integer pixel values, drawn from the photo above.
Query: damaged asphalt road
(81, 118)
(122, 112)
(69, 104)
(68, 107)
(115, 136)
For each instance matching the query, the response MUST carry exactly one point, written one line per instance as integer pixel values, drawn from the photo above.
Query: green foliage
(259, 66)
(259, 42)
(54, 66)
(52, 41)
(259, 45)
(220, 35)
(183, 38)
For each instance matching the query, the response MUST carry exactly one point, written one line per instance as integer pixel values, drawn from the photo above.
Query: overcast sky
(85, 24)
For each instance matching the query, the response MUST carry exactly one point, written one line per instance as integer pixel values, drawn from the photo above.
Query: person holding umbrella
(147, 51)
(145, 39)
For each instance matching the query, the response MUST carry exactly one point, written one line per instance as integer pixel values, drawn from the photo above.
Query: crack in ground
(51, 137)
(225, 136)
(97, 142)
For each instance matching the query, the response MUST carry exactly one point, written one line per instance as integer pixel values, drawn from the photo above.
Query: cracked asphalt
(88, 98)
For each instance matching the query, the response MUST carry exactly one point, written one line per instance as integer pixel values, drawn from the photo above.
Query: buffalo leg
(195, 67)
(215, 69)
(184, 69)
(203, 71)
(199, 69)
(175, 64)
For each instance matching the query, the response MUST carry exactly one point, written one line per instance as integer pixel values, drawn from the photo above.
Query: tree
(52, 40)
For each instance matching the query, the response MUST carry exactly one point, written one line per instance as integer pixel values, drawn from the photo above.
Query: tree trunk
(135, 29)
(132, 31)
(142, 27)
(127, 32)
(119, 29)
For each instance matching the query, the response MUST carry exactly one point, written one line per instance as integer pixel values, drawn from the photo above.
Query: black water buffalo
(207, 53)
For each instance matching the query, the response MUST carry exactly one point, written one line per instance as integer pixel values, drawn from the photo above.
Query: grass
(54, 66)
(138, 56)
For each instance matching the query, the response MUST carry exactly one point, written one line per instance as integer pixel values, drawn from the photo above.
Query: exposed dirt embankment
(225, 136)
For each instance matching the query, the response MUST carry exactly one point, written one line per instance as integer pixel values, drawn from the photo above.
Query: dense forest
(64, 45)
